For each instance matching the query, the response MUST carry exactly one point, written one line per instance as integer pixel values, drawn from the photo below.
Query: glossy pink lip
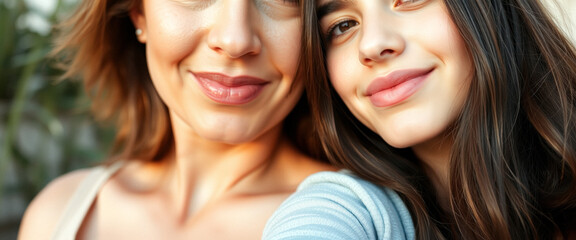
(396, 86)
(230, 90)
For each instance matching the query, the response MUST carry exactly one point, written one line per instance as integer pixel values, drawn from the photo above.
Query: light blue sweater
(338, 205)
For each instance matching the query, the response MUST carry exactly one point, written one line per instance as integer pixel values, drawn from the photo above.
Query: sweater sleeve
(335, 205)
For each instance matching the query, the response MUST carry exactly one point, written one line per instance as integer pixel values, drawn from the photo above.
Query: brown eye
(341, 28)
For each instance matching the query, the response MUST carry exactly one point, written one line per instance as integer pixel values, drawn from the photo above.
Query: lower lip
(233, 95)
(398, 93)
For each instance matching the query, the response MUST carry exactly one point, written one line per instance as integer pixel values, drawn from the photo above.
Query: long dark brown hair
(98, 45)
(513, 164)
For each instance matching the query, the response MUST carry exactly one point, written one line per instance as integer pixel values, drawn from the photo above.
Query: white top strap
(82, 200)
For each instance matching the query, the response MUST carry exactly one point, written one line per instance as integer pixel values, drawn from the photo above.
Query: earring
(138, 31)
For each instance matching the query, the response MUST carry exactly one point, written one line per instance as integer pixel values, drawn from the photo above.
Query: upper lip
(230, 81)
(393, 79)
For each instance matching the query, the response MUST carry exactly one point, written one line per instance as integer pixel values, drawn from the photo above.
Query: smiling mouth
(396, 86)
(225, 89)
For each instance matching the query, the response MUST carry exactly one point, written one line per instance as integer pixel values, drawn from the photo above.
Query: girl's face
(224, 68)
(400, 66)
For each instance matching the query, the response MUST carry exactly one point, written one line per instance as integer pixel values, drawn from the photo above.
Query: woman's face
(400, 66)
(224, 68)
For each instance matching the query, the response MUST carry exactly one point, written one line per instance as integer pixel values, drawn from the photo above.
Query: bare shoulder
(43, 213)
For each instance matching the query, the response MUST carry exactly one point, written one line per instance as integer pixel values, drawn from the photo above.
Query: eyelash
(329, 35)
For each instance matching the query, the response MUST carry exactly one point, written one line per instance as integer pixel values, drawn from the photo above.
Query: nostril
(367, 60)
(386, 52)
(374, 56)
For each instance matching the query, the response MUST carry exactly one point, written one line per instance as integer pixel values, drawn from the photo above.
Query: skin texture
(370, 40)
(185, 37)
(479, 173)
(231, 166)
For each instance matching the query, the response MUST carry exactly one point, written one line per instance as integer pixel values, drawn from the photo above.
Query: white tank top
(80, 203)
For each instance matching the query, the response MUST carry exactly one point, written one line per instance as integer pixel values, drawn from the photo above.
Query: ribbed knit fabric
(338, 205)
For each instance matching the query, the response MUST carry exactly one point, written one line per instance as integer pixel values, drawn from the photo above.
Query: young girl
(465, 108)
(200, 91)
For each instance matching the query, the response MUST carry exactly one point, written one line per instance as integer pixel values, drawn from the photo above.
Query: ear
(139, 20)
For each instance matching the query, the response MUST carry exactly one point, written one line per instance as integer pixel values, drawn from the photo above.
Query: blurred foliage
(45, 127)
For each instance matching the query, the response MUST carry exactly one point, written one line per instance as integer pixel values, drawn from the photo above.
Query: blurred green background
(45, 126)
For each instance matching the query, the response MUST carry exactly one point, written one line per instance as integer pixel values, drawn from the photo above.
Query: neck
(203, 171)
(435, 158)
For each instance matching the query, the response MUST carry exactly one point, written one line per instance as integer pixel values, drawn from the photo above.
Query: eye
(340, 28)
(399, 3)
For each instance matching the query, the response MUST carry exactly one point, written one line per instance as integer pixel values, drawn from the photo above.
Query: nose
(234, 30)
(380, 41)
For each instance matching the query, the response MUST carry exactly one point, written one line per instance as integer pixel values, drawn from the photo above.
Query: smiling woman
(212, 124)
(457, 107)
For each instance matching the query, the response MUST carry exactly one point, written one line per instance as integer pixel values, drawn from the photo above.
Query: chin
(398, 144)
(228, 137)
(404, 141)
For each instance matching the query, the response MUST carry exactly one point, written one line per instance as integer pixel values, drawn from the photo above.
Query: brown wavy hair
(513, 164)
(98, 45)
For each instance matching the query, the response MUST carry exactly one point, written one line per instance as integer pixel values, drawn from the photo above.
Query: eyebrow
(332, 6)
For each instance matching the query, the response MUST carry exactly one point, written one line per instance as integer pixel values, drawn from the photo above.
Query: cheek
(437, 33)
(282, 39)
(172, 33)
(346, 77)
(460, 69)
(446, 43)
(343, 69)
